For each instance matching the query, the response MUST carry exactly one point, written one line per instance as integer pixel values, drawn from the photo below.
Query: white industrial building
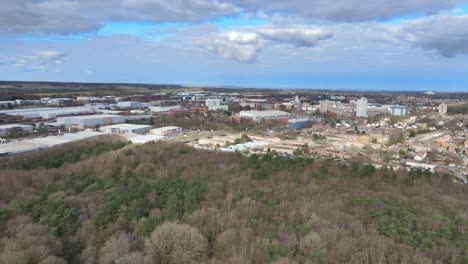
(125, 129)
(258, 116)
(5, 129)
(47, 113)
(398, 110)
(166, 131)
(129, 105)
(163, 109)
(142, 139)
(22, 146)
(361, 107)
(216, 104)
(90, 120)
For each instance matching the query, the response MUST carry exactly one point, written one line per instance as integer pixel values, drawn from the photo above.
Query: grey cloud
(446, 35)
(66, 16)
(349, 10)
(298, 36)
(63, 16)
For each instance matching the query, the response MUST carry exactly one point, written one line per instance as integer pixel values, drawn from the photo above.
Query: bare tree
(176, 243)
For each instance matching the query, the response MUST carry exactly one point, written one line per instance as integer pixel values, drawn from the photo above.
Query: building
(125, 129)
(82, 122)
(164, 109)
(8, 128)
(28, 145)
(361, 107)
(258, 116)
(297, 101)
(47, 113)
(166, 131)
(299, 123)
(129, 105)
(323, 106)
(216, 104)
(442, 109)
(398, 110)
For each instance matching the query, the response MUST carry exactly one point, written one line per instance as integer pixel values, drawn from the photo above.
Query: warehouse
(398, 110)
(6, 129)
(125, 129)
(82, 122)
(258, 116)
(145, 139)
(129, 105)
(166, 131)
(35, 144)
(47, 113)
(164, 109)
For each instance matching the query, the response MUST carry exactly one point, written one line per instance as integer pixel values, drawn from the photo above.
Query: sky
(393, 45)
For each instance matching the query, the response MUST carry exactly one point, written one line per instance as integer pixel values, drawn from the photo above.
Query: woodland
(104, 201)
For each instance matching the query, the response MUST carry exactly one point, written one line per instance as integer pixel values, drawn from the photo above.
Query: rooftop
(265, 113)
(7, 126)
(84, 117)
(126, 126)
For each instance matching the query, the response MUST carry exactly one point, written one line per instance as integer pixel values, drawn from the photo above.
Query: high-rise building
(361, 107)
(442, 109)
(323, 106)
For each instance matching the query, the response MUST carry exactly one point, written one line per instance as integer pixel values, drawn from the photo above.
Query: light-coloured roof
(165, 128)
(86, 117)
(126, 126)
(43, 110)
(8, 126)
(304, 119)
(265, 113)
(145, 139)
(22, 146)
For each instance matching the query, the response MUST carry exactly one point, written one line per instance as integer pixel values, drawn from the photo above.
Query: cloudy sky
(340, 44)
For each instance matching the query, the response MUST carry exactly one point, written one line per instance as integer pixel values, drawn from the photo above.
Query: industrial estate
(394, 130)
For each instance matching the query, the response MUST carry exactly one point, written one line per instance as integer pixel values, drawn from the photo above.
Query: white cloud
(38, 60)
(245, 45)
(239, 46)
(50, 55)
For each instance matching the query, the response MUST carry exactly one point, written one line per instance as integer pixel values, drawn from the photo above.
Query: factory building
(47, 113)
(164, 109)
(299, 123)
(125, 129)
(259, 116)
(129, 105)
(82, 122)
(166, 131)
(142, 139)
(361, 107)
(216, 104)
(8, 128)
(398, 110)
